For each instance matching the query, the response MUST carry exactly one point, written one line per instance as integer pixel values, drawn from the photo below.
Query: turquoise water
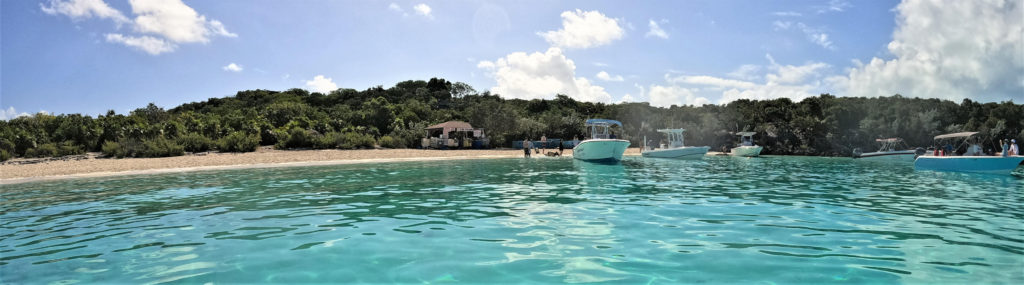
(773, 220)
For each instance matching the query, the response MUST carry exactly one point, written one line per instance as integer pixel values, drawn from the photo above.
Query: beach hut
(454, 134)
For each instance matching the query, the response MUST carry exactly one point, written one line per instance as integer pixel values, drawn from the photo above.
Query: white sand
(15, 172)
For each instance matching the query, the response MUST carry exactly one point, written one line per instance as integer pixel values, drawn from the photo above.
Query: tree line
(395, 117)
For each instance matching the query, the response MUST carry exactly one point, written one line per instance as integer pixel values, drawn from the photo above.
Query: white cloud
(814, 35)
(710, 80)
(656, 31)
(397, 9)
(795, 82)
(666, 96)
(232, 67)
(541, 76)
(584, 30)
(627, 99)
(83, 9)
(160, 24)
(949, 50)
(787, 14)
(10, 113)
(321, 84)
(746, 72)
(782, 25)
(607, 77)
(150, 45)
(834, 6)
(423, 9)
(175, 21)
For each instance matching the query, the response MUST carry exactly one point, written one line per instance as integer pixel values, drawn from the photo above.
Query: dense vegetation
(395, 117)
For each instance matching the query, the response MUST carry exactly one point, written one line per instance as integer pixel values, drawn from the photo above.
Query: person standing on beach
(560, 148)
(543, 143)
(526, 147)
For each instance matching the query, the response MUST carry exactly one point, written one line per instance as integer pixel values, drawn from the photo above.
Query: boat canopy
(671, 131)
(602, 122)
(955, 135)
(889, 140)
(746, 134)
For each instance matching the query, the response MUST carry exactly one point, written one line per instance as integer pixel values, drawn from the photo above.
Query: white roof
(671, 131)
(746, 133)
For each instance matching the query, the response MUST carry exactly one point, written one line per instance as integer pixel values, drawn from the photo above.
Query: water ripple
(718, 220)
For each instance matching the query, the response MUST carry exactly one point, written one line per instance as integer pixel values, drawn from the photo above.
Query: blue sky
(88, 56)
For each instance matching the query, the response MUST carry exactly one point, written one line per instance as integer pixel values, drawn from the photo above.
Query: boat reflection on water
(599, 175)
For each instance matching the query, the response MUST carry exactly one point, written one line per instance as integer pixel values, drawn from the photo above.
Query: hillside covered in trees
(395, 117)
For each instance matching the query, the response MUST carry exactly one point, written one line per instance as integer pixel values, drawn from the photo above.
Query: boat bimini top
(602, 123)
(955, 135)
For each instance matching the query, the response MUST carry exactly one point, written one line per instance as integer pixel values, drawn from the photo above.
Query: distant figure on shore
(526, 147)
(543, 143)
(1013, 147)
(560, 148)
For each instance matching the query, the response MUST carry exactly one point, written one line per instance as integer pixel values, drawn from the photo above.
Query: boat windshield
(674, 137)
(601, 128)
(890, 144)
(746, 138)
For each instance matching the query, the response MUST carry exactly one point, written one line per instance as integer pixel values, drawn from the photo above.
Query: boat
(972, 161)
(602, 146)
(675, 148)
(888, 152)
(747, 147)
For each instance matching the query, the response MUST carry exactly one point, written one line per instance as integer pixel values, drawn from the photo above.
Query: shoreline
(90, 166)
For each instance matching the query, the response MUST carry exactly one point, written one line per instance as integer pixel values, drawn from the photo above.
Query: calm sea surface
(771, 220)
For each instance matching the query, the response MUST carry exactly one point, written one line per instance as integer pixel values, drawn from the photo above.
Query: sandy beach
(90, 165)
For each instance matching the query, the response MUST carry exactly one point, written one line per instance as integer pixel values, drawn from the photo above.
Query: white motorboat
(602, 145)
(747, 147)
(889, 152)
(675, 148)
(972, 161)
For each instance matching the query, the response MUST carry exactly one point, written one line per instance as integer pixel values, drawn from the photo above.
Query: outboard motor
(857, 152)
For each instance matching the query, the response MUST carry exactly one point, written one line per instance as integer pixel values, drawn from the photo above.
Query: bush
(239, 142)
(4, 155)
(298, 138)
(388, 142)
(357, 140)
(193, 142)
(43, 150)
(330, 140)
(112, 149)
(348, 140)
(161, 147)
(6, 145)
(69, 148)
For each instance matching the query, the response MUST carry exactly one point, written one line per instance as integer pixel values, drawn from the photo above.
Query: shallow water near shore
(770, 220)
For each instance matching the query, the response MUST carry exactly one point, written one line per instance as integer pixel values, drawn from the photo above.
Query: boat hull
(977, 164)
(893, 156)
(746, 151)
(689, 152)
(607, 150)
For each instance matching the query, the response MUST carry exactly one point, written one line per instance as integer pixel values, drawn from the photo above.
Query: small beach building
(454, 134)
